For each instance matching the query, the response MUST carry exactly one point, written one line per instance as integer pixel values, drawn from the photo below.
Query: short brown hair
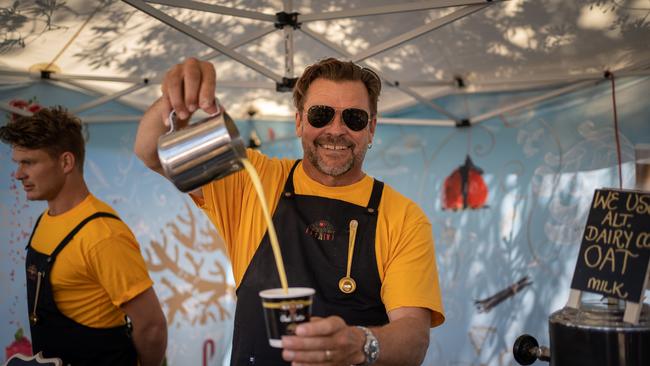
(337, 70)
(54, 130)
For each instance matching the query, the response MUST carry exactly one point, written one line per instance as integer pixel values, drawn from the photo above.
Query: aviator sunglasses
(320, 115)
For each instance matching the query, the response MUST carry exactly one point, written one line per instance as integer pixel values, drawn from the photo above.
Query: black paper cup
(284, 311)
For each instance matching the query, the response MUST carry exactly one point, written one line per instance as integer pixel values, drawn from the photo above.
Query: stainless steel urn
(594, 335)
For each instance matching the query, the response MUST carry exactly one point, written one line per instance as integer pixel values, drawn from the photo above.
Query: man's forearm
(402, 342)
(150, 343)
(146, 139)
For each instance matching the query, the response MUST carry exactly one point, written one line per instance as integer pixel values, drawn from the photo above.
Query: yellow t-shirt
(99, 270)
(404, 242)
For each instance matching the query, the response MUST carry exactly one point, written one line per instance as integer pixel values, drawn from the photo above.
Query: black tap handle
(525, 349)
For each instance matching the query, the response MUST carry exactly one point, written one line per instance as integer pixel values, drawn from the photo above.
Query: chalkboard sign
(615, 247)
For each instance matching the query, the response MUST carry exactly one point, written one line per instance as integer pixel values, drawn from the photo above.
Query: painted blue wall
(541, 167)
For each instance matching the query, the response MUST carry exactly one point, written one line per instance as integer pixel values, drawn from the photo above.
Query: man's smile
(333, 147)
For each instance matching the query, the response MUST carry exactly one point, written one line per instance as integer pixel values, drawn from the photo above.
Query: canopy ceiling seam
(552, 94)
(74, 36)
(217, 9)
(17, 84)
(526, 82)
(391, 9)
(329, 15)
(107, 98)
(72, 84)
(417, 32)
(429, 96)
(415, 95)
(111, 118)
(243, 41)
(287, 5)
(531, 101)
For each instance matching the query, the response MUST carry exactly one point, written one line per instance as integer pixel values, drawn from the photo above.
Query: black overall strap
(375, 196)
(74, 231)
(373, 202)
(289, 190)
(29, 243)
(56, 335)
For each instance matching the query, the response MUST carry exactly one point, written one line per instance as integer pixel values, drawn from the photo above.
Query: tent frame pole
(244, 40)
(530, 101)
(107, 98)
(195, 34)
(525, 83)
(286, 83)
(555, 93)
(382, 75)
(423, 29)
(287, 6)
(217, 9)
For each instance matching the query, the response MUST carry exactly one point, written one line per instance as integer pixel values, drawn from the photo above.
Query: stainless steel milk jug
(201, 152)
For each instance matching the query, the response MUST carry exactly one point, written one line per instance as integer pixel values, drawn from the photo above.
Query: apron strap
(288, 185)
(375, 196)
(373, 202)
(74, 231)
(29, 243)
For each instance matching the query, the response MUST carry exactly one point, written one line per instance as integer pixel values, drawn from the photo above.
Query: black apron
(55, 334)
(313, 234)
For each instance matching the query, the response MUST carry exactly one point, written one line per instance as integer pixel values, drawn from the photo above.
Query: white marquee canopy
(423, 50)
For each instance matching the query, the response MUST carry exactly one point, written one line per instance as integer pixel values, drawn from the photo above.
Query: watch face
(373, 349)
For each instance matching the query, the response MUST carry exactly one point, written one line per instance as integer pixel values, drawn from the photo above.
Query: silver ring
(328, 355)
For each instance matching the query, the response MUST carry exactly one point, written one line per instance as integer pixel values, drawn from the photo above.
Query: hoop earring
(369, 145)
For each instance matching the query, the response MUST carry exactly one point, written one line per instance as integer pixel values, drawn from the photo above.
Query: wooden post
(574, 299)
(633, 309)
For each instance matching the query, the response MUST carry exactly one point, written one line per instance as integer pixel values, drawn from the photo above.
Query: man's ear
(373, 127)
(67, 161)
(298, 124)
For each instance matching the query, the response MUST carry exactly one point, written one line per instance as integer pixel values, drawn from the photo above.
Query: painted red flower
(27, 105)
(34, 107)
(19, 103)
(20, 345)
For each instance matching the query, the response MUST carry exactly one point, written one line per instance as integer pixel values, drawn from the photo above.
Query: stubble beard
(320, 163)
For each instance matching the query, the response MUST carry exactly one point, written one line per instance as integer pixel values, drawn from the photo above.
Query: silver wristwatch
(370, 348)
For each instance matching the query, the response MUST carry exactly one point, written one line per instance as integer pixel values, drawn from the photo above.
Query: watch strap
(370, 347)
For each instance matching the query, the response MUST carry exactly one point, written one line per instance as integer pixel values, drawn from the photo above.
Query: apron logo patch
(31, 272)
(321, 230)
